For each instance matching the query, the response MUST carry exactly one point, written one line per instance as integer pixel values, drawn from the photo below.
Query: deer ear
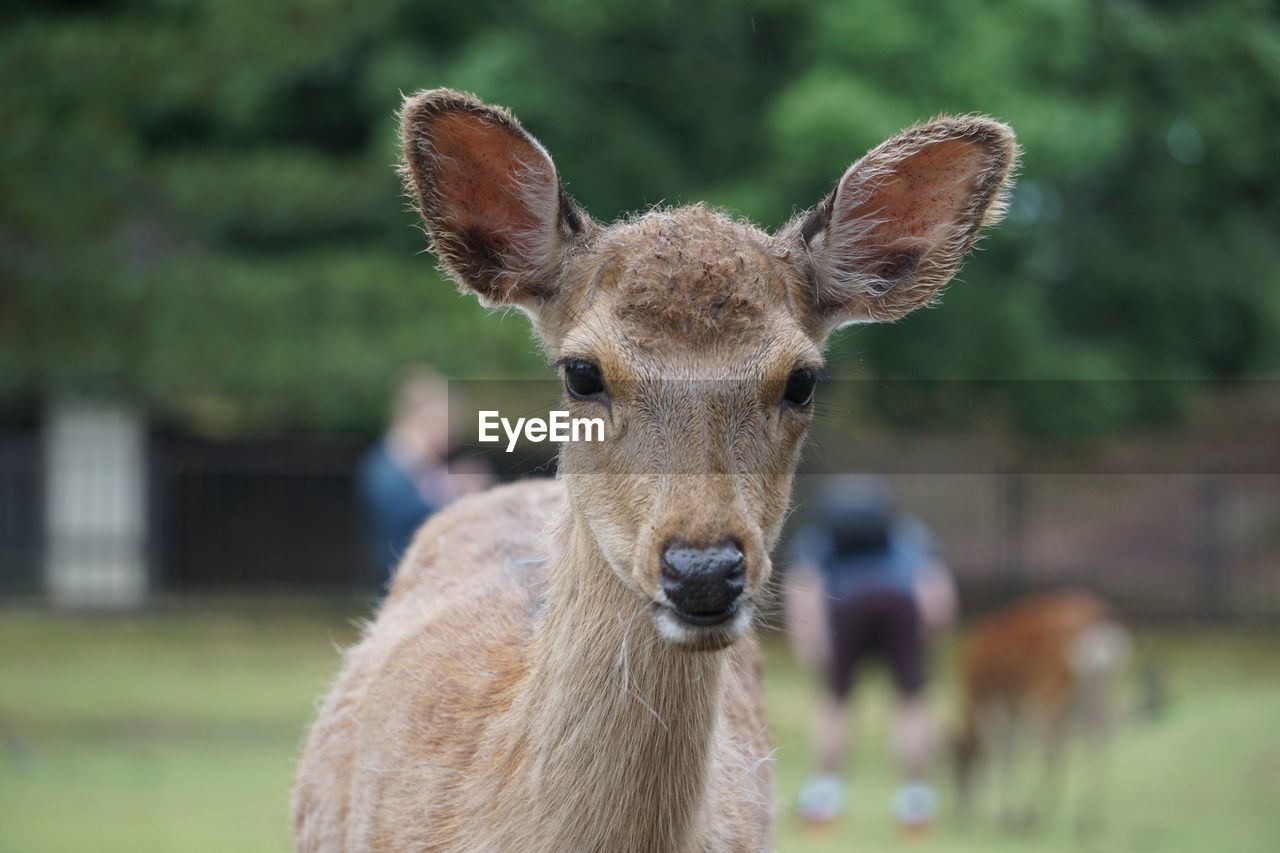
(495, 212)
(901, 220)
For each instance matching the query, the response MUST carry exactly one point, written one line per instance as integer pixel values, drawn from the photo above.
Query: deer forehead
(690, 276)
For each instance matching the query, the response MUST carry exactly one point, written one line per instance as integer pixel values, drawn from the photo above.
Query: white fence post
(95, 506)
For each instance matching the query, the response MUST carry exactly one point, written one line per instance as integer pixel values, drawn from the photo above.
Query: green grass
(178, 732)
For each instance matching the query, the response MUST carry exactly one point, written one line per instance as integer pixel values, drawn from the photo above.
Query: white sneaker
(821, 799)
(915, 805)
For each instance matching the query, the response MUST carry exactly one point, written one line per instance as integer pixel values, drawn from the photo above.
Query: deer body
(1043, 668)
(439, 693)
(570, 665)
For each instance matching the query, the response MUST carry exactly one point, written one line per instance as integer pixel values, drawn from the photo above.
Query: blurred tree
(197, 208)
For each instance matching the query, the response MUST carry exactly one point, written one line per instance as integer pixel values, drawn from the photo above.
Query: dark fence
(282, 515)
(21, 512)
(242, 515)
(1161, 545)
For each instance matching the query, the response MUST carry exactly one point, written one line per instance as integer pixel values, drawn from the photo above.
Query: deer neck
(616, 727)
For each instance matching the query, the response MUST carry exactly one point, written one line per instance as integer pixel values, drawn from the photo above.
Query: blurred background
(213, 297)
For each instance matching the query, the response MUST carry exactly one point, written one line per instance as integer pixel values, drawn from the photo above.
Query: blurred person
(406, 477)
(866, 582)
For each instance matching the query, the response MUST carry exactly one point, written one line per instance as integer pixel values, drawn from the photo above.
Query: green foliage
(197, 208)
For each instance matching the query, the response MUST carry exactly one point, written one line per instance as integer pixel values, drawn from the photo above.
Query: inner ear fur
(900, 221)
(495, 212)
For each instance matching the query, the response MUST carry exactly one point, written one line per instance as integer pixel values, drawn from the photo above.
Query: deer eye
(582, 379)
(800, 385)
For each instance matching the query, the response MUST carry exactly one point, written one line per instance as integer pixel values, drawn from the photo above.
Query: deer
(571, 664)
(1045, 668)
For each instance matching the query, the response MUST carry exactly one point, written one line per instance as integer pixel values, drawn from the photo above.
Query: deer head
(697, 337)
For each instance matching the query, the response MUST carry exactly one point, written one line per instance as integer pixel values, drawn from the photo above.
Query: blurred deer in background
(1043, 669)
(569, 665)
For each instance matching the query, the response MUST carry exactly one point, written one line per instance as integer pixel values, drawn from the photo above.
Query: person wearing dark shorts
(864, 586)
(876, 624)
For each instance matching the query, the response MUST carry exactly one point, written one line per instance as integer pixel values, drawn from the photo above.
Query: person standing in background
(866, 582)
(406, 476)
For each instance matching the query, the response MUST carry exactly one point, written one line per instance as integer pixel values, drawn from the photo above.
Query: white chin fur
(680, 633)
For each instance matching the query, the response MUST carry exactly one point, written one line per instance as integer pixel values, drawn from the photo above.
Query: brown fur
(726, 288)
(899, 223)
(1035, 669)
(526, 686)
(1023, 655)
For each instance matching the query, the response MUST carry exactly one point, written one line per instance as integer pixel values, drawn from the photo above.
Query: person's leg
(822, 797)
(913, 731)
(916, 802)
(831, 727)
(831, 734)
(914, 736)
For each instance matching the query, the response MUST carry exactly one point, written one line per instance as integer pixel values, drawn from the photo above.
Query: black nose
(703, 583)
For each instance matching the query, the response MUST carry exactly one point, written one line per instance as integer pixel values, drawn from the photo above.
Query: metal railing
(282, 515)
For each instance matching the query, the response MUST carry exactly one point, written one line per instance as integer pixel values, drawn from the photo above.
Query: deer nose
(703, 584)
